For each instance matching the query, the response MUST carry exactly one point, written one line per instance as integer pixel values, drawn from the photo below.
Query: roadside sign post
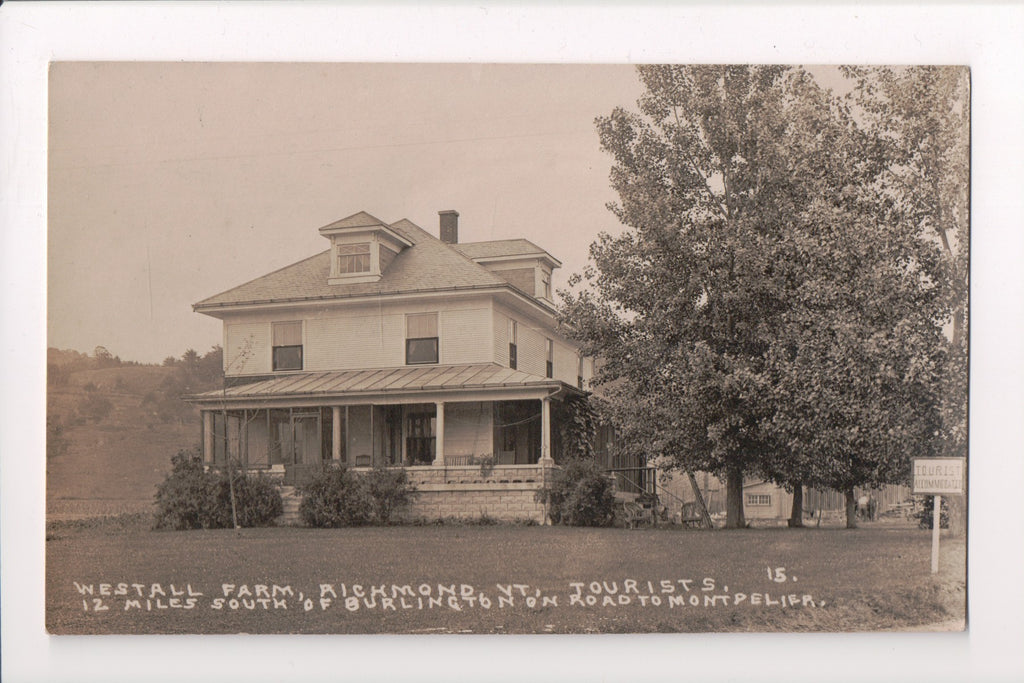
(937, 476)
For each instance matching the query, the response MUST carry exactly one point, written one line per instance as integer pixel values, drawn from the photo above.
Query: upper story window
(579, 371)
(545, 285)
(353, 258)
(551, 358)
(362, 248)
(287, 346)
(421, 338)
(513, 329)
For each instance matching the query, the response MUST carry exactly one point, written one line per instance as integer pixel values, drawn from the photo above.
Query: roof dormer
(520, 262)
(362, 248)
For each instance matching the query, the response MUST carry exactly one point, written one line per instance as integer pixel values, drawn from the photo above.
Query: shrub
(183, 498)
(926, 514)
(390, 492)
(580, 494)
(192, 498)
(484, 520)
(94, 407)
(336, 497)
(257, 501)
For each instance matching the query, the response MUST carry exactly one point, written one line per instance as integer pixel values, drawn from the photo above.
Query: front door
(419, 439)
(306, 428)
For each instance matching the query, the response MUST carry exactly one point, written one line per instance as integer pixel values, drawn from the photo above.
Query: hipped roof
(429, 265)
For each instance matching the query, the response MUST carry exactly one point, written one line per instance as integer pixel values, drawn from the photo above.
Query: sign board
(939, 476)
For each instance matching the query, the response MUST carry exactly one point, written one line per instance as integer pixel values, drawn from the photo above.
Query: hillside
(111, 434)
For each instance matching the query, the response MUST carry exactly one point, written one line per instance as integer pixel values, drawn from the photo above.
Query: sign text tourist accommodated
(939, 476)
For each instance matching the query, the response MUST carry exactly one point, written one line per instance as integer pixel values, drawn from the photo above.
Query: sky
(171, 182)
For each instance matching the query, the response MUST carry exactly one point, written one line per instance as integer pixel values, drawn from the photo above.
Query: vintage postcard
(367, 351)
(572, 363)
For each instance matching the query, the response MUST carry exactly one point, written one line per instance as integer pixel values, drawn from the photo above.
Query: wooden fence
(887, 497)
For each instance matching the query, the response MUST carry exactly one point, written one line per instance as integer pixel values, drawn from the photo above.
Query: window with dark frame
(551, 358)
(420, 442)
(354, 258)
(287, 345)
(421, 339)
(579, 371)
(513, 359)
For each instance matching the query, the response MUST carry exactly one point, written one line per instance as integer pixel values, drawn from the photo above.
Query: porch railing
(639, 480)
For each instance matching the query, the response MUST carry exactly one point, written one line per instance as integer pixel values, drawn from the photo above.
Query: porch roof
(486, 376)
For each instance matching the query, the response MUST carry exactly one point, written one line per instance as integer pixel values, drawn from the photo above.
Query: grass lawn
(866, 579)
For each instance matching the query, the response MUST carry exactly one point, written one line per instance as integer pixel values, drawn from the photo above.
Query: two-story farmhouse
(394, 347)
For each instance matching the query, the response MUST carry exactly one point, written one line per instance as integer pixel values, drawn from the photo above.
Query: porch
(475, 439)
(501, 441)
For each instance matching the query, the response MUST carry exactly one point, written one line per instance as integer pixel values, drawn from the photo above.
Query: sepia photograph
(492, 348)
(477, 344)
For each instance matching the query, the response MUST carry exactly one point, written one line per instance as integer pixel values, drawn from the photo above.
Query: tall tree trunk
(851, 509)
(796, 514)
(734, 498)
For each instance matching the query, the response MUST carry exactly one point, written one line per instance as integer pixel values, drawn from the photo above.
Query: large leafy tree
(921, 115)
(680, 304)
(859, 360)
(752, 317)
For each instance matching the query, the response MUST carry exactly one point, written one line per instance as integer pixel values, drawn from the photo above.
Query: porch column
(439, 437)
(335, 433)
(545, 432)
(207, 436)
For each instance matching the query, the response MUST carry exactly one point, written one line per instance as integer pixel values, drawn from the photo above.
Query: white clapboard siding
(566, 363)
(358, 341)
(501, 338)
(247, 348)
(532, 350)
(465, 336)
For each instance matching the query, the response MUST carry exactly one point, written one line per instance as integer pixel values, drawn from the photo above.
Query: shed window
(759, 499)
(354, 258)
(421, 338)
(288, 346)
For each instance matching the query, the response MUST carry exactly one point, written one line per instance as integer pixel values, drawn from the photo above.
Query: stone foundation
(504, 492)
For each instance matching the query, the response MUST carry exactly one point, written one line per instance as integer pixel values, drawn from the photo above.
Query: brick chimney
(449, 226)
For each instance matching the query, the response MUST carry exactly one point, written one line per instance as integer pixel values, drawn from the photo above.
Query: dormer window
(545, 285)
(362, 248)
(353, 258)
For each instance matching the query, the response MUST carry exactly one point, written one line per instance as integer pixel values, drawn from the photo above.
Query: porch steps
(291, 498)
